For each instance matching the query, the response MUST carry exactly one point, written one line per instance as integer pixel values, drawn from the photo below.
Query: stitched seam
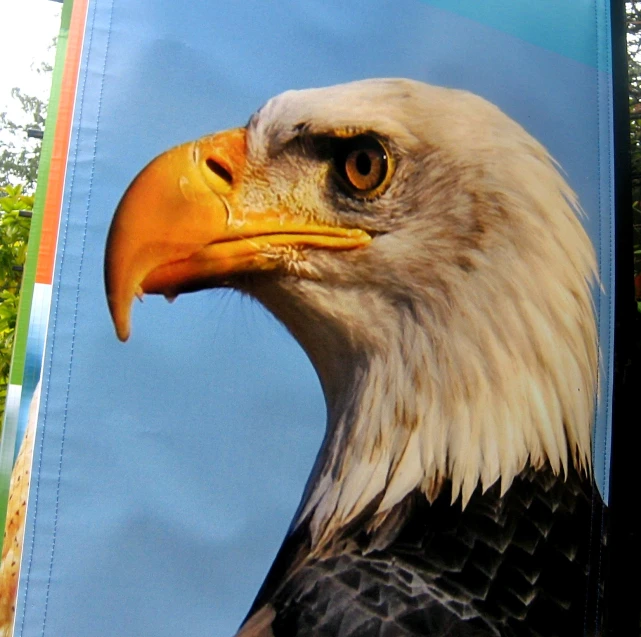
(602, 251)
(611, 218)
(76, 302)
(586, 610)
(51, 347)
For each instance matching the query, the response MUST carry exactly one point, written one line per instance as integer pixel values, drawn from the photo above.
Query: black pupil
(363, 163)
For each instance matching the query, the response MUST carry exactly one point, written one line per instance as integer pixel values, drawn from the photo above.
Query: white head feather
(461, 343)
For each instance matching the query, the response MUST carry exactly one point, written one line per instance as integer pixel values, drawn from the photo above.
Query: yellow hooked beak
(180, 227)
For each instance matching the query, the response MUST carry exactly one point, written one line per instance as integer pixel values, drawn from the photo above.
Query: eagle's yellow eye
(363, 164)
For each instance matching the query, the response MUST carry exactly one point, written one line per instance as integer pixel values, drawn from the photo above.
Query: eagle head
(426, 253)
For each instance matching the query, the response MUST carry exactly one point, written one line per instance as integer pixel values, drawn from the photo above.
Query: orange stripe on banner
(60, 148)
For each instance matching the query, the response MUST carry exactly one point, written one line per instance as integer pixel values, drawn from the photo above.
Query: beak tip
(121, 318)
(122, 323)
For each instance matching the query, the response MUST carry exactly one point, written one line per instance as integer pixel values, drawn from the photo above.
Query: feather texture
(512, 565)
(466, 329)
(458, 356)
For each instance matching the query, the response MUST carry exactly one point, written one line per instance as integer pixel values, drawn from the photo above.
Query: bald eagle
(429, 257)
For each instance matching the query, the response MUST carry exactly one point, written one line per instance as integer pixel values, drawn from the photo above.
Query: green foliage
(14, 235)
(19, 158)
(19, 155)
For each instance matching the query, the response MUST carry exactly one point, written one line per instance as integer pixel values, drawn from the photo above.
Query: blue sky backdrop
(168, 468)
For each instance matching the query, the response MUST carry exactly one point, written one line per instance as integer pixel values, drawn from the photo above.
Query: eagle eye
(362, 163)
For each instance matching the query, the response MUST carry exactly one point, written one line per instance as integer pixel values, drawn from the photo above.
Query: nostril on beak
(219, 170)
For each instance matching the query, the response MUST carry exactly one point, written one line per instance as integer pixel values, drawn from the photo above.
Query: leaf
(14, 236)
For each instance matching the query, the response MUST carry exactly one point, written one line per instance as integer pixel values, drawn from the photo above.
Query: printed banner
(380, 403)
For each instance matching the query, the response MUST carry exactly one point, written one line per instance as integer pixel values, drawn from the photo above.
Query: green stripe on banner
(8, 440)
(565, 28)
(29, 277)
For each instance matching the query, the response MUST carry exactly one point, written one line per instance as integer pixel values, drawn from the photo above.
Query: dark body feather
(527, 564)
